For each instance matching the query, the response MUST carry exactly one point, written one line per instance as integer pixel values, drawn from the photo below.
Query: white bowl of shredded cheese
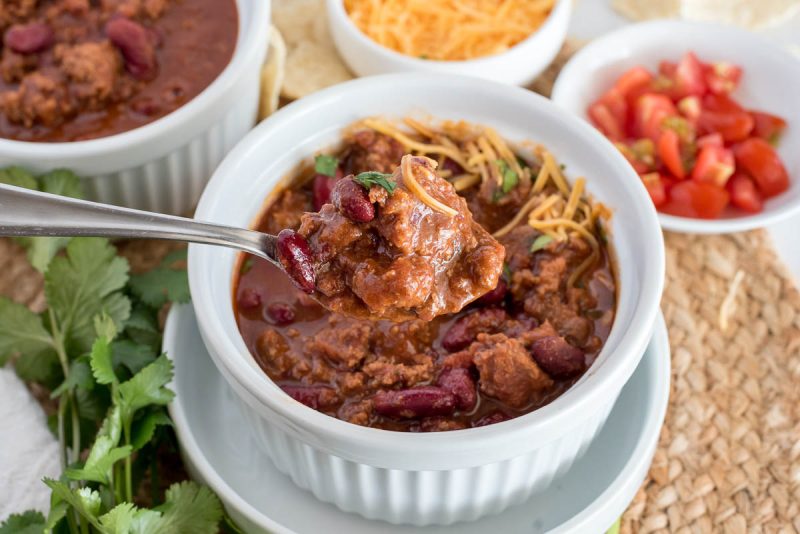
(450, 37)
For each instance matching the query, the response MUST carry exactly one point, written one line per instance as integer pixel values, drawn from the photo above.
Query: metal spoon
(24, 212)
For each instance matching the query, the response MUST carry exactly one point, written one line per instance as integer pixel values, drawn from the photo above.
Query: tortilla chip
(311, 67)
(647, 9)
(272, 74)
(296, 18)
(752, 14)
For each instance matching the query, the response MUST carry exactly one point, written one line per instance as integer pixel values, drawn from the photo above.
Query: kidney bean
(422, 401)
(496, 295)
(459, 382)
(137, 46)
(312, 396)
(322, 190)
(491, 418)
(466, 329)
(146, 106)
(352, 201)
(294, 255)
(557, 357)
(281, 313)
(29, 38)
(248, 299)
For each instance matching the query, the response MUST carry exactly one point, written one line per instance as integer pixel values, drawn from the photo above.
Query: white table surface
(28, 450)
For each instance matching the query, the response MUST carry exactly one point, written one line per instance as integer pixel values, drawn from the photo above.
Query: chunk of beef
(14, 67)
(386, 372)
(372, 151)
(287, 210)
(39, 99)
(342, 343)
(507, 371)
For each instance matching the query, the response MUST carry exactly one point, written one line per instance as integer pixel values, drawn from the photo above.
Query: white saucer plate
(218, 450)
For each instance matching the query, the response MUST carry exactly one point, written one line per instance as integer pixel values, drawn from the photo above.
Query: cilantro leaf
(370, 178)
(189, 507)
(510, 178)
(80, 376)
(144, 428)
(142, 328)
(118, 520)
(541, 242)
(145, 522)
(30, 522)
(83, 284)
(158, 286)
(62, 182)
(102, 458)
(104, 326)
(131, 355)
(21, 331)
(100, 359)
(84, 500)
(18, 177)
(326, 164)
(148, 386)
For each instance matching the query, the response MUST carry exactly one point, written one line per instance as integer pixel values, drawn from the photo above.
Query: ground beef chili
(82, 69)
(396, 246)
(510, 352)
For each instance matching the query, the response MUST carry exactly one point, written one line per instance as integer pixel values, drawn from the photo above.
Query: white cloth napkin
(28, 450)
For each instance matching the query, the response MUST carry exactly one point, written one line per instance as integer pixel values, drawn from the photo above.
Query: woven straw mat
(729, 453)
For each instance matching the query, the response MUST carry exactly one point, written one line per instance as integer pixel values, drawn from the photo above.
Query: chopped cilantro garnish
(370, 178)
(326, 164)
(541, 242)
(510, 178)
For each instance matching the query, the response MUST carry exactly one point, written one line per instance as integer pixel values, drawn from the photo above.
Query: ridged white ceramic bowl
(164, 165)
(519, 65)
(436, 477)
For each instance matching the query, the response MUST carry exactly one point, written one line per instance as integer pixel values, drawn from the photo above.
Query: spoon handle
(24, 212)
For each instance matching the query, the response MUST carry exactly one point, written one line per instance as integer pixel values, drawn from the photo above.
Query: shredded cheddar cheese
(448, 30)
(414, 186)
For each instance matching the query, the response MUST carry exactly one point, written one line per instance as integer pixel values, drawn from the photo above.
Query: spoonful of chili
(387, 246)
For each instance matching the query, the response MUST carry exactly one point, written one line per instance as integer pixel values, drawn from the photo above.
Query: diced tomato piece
(713, 139)
(633, 80)
(721, 102)
(641, 154)
(689, 79)
(722, 77)
(667, 69)
(696, 199)
(744, 194)
(762, 162)
(767, 126)
(655, 188)
(714, 165)
(690, 107)
(732, 125)
(669, 150)
(649, 114)
(603, 118)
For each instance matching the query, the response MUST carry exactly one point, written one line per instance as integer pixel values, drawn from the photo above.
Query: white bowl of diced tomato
(707, 115)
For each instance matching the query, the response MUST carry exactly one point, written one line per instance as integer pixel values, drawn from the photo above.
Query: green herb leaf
(100, 358)
(21, 331)
(189, 507)
(370, 178)
(80, 376)
(58, 509)
(147, 387)
(19, 177)
(247, 264)
(83, 284)
(62, 182)
(102, 458)
(84, 500)
(131, 355)
(158, 286)
(30, 522)
(142, 327)
(145, 522)
(104, 327)
(541, 242)
(118, 520)
(144, 428)
(510, 178)
(326, 164)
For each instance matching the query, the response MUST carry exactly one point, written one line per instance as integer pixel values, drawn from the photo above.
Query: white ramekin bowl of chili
(164, 164)
(519, 65)
(440, 477)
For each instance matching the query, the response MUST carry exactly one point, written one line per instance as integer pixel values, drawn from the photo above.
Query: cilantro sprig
(96, 347)
(510, 177)
(370, 178)
(326, 164)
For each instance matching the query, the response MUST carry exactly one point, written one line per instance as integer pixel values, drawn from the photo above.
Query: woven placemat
(729, 453)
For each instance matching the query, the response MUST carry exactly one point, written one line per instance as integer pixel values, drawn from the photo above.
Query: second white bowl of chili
(436, 477)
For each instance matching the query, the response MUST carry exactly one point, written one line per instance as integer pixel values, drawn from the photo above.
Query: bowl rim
(341, 437)
(338, 15)
(576, 71)
(244, 53)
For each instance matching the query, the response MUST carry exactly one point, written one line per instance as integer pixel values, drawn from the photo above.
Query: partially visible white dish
(219, 450)
(519, 65)
(768, 71)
